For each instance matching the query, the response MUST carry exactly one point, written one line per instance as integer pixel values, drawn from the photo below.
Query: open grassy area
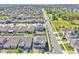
(63, 23)
(4, 17)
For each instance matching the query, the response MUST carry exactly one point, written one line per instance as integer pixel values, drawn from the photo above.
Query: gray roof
(2, 40)
(39, 46)
(7, 44)
(20, 28)
(3, 29)
(40, 28)
(12, 43)
(40, 39)
(28, 41)
(41, 20)
(15, 41)
(76, 43)
(15, 28)
(11, 28)
(31, 28)
(22, 42)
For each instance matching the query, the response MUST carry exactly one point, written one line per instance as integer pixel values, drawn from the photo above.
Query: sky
(39, 1)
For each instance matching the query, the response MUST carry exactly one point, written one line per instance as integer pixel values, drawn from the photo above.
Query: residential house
(39, 42)
(2, 42)
(31, 29)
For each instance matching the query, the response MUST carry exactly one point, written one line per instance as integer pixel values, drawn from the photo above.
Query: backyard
(18, 34)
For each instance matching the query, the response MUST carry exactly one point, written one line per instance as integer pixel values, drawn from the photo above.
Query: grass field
(63, 23)
(4, 17)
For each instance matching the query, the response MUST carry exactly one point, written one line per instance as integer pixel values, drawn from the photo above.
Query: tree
(78, 32)
(19, 18)
(19, 50)
(42, 51)
(54, 17)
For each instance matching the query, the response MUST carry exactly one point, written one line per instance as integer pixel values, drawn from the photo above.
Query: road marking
(56, 41)
(60, 39)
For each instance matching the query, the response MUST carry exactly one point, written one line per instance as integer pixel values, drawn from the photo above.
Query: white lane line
(60, 39)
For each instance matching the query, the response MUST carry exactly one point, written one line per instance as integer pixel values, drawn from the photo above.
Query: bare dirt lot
(75, 22)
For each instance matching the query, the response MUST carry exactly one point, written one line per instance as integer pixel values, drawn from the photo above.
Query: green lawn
(42, 51)
(15, 50)
(8, 34)
(12, 51)
(24, 34)
(18, 34)
(63, 23)
(0, 50)
(68, 47)
(4, 17)
(9, 51)
(31, 51)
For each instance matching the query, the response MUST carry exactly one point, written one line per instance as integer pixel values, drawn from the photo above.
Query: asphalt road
(54, 42)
